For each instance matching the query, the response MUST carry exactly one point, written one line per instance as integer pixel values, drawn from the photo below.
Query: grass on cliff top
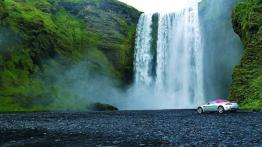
(26, 12)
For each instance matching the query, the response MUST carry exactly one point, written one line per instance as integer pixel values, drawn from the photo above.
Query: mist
(222, 46)
(77, 86)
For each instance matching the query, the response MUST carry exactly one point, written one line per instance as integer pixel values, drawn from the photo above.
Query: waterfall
(169, 57)
(143, 56)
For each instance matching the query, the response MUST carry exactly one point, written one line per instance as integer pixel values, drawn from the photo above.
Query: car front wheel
(221, 109)
(200, 110)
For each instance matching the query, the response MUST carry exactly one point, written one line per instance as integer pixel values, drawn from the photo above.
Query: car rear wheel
(221, 109)
(200, 110)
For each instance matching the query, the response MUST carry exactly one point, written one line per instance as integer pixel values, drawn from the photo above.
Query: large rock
(103, 107)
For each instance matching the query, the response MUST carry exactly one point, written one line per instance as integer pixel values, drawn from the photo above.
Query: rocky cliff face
(115, 25)
(40, 40)
(247, 77)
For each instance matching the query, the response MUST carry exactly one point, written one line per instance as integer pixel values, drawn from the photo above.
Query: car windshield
(220, 101)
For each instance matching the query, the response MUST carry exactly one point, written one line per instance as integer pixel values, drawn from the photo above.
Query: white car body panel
(214, 105)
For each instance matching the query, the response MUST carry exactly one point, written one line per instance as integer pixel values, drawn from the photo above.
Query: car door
(213, 106)
(210, 106)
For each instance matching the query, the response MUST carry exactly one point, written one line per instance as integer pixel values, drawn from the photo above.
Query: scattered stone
(131, 128)
(116, 142)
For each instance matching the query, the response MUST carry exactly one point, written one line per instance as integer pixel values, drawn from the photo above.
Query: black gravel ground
(131, 128)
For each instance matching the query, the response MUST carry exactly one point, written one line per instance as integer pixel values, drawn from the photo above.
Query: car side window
(212, 102)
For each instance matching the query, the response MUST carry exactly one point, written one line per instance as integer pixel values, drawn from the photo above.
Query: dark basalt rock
(131, 128)
(103, 107)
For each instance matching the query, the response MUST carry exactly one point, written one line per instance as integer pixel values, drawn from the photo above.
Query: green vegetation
(247, 77)
(39, 38)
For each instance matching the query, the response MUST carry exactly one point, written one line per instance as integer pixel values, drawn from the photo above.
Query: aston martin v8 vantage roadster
(219, 105)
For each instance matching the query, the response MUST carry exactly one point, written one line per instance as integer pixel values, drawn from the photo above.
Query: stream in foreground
(131, 128)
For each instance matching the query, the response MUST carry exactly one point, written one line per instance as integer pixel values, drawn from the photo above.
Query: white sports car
(219, 105)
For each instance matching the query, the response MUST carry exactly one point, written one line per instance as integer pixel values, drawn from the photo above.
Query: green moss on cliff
(115, 24)
(39, 39)
(247, 77)
(3, 11)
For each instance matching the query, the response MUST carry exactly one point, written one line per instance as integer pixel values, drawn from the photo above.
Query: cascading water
(170, 63)
(143, 54)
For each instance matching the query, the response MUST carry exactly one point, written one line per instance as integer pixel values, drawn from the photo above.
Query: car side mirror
(208, 103)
